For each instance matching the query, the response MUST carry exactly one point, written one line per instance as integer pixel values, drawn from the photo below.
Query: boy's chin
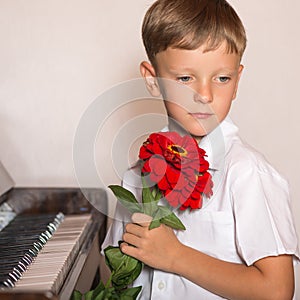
(195, 128)
(199, 131)
(202, 129)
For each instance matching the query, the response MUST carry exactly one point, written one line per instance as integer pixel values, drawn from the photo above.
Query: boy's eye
(184, 79)
(223, 79)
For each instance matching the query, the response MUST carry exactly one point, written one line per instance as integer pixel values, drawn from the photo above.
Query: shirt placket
(160, 285)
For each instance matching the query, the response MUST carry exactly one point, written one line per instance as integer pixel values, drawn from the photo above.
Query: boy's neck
(175, 126)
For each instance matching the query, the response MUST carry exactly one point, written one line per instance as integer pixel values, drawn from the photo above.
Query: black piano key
(15, 233)
(24, 231)
(18, 265)
(22, 223)
(17, 255)
(12, 270)
(20, 242)
(8, 283)
(8, 243)
(23, 260)
(24, 245)
(11, 275)
(14, 241)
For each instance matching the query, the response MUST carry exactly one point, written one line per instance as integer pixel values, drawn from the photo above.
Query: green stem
(107, 285)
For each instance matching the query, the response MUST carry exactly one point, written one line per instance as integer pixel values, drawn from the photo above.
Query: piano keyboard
(46, 265)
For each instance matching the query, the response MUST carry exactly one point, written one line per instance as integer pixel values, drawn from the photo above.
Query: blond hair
(189, 24)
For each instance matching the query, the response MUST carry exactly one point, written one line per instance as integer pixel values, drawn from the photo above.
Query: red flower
(178, 167)
(180, 152)
(204, 186)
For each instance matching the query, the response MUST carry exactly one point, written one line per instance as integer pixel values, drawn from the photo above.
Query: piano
(49, 240)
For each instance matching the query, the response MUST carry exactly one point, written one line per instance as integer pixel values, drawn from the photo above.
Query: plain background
(57, 57)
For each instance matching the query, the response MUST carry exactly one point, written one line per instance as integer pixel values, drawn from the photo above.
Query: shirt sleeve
(262, 211)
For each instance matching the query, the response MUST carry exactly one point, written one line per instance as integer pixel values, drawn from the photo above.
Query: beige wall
(58, 56)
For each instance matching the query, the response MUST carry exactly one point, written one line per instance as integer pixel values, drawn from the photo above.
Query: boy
(241, 244)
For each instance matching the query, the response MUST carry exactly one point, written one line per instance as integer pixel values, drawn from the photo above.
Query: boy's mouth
(200, 115)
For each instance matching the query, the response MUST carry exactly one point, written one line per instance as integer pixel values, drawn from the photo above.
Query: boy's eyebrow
(177, 69)
(182, 70)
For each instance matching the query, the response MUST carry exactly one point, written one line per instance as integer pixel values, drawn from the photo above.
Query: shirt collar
(216, 144)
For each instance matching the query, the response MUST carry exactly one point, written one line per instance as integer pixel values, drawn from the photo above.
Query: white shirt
(247, 218)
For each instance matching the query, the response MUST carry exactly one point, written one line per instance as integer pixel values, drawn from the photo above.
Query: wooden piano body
(84, 268)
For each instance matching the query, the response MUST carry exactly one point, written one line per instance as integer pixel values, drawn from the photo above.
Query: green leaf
(76, 295)
(148, 199)
(99, 288)
(113, 257)
(126, 274)
(125, 298)
(126, 198)
(107, 294)
(100, 296)
(154, 224)
(162, 212)
(130, 293)
(167, 217)
(88, 295)
(172, 221)
(125, 269)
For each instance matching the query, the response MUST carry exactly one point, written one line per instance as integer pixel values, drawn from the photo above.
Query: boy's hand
(157, 248)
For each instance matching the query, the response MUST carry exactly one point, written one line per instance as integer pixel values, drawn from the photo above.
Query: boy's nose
(203, 95)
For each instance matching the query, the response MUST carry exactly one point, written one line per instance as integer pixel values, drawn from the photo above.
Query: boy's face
(198, 87)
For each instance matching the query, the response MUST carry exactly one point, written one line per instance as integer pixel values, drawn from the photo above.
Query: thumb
(141, 219)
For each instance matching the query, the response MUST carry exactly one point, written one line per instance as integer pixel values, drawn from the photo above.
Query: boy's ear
(241, 67)
(149, 74)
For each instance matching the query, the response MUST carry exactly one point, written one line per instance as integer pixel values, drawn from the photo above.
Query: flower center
(176, 149)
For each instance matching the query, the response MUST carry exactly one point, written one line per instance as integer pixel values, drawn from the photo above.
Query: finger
(122, 245)
(141, 219)
(129, 250)
(131, 239)
(135, 229)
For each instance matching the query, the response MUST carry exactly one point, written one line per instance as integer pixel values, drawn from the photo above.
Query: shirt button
(161, 285)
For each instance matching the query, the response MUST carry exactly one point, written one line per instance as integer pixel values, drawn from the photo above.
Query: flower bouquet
(174, 174)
